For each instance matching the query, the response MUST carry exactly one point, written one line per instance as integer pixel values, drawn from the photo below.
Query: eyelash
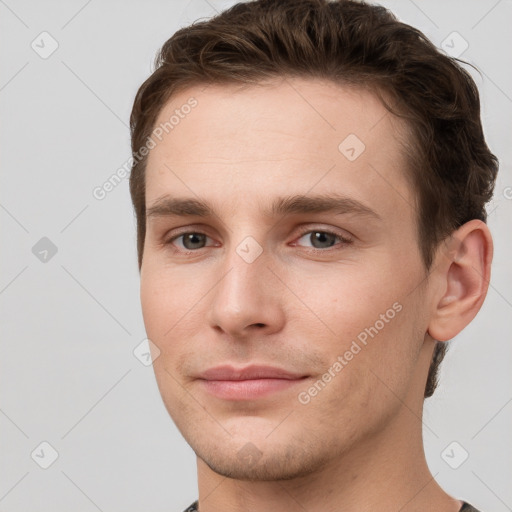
(343, 239)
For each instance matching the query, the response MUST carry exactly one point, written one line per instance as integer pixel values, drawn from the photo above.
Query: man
(310, 181)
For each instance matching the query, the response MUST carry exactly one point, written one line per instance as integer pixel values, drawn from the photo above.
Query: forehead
(284, 137)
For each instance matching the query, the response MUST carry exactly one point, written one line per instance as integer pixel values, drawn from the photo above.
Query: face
(298, 254)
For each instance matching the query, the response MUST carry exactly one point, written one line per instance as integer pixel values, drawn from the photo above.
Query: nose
(247, 299)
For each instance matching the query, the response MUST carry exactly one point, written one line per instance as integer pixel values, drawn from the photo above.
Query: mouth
(249, 383)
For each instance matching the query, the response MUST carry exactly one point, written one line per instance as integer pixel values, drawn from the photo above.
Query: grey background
(70, 324)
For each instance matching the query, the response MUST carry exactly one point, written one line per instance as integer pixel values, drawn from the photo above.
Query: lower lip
(247, 389)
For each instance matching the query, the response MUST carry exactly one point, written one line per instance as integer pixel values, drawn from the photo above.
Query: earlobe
(465, 271)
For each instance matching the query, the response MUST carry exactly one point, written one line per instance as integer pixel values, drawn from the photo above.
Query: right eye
(190, 241)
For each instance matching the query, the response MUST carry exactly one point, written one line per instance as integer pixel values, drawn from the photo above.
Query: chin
(272, 463)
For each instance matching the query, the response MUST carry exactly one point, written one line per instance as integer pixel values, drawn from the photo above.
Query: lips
(249, 383)
(248, 373)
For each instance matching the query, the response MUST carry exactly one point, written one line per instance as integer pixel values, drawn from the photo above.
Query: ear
(463, 268)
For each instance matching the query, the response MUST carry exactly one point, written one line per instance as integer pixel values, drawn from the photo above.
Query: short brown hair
(452, 170)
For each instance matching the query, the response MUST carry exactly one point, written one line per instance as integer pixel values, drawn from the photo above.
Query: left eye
(323, 239)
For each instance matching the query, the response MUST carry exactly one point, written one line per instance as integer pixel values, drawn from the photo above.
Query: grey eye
(321, 239)
(193, 240)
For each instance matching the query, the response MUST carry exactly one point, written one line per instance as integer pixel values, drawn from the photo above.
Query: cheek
(154, 302)
(387, 364)
(164, 303)
(173, 311)
(371, 322)
(164, 300)
(346, 299)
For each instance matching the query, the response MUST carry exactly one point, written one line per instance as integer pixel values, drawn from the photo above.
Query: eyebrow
(168, 206)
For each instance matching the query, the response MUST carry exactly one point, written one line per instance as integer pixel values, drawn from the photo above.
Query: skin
(357, 444)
